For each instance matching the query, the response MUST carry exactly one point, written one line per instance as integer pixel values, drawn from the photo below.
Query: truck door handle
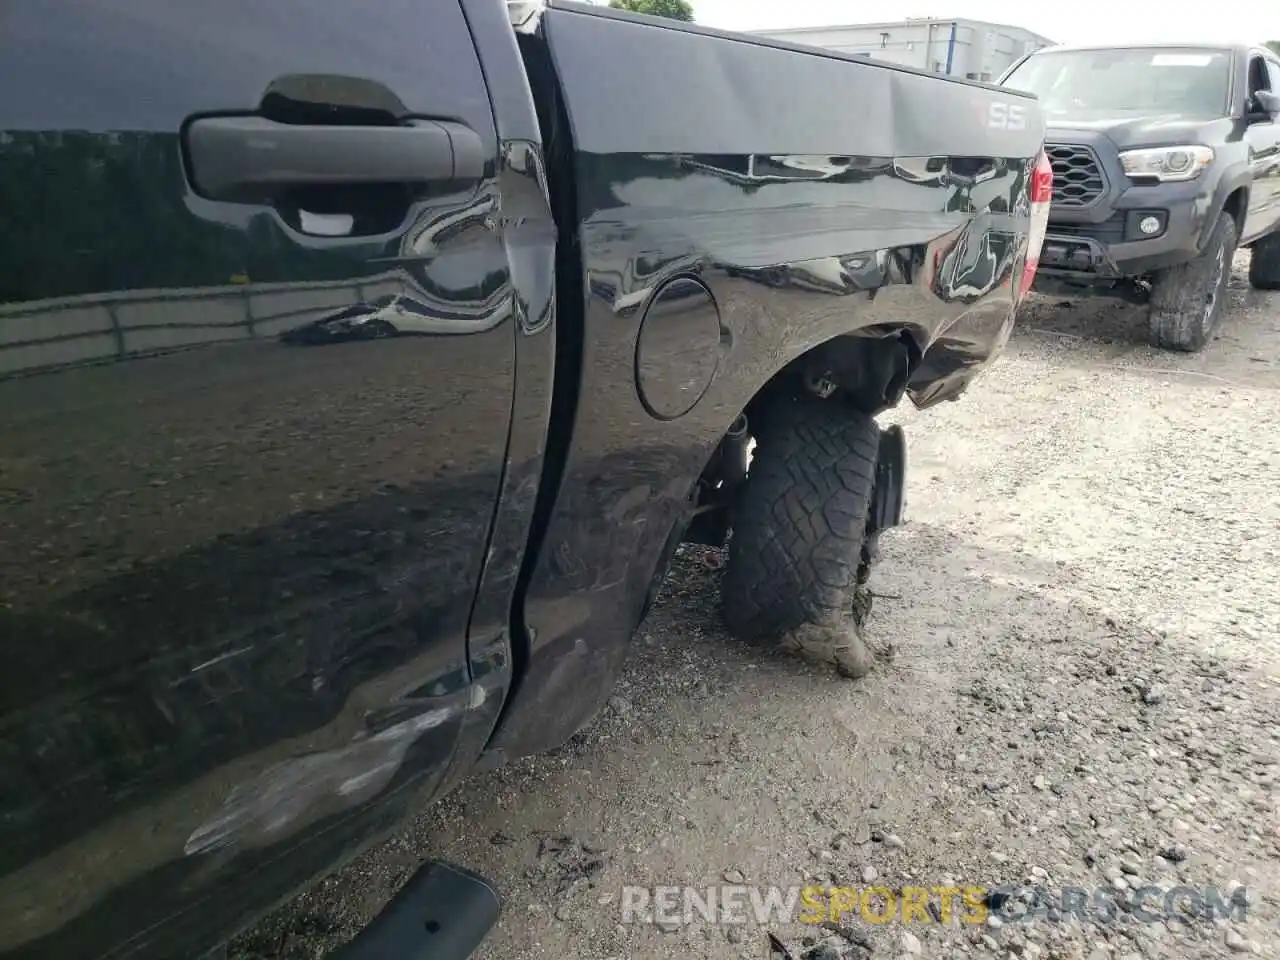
(250, 159)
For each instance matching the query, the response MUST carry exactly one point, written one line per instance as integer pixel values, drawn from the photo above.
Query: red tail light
(1042, 180)
(1041, 195)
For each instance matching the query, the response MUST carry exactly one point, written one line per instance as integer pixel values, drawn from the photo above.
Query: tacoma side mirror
(1267, 102)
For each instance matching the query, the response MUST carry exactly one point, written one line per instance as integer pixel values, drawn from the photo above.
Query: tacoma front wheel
(1187, 300)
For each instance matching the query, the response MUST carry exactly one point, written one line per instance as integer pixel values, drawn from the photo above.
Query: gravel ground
(1079, 687)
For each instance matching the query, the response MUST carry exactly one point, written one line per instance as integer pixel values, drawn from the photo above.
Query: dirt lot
(1080, 688)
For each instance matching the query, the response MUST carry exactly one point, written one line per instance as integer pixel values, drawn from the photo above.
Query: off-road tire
(1187, 300)
(800, 519)
(1264, 265)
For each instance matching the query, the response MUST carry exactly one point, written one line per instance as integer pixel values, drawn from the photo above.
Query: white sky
(1074, 21)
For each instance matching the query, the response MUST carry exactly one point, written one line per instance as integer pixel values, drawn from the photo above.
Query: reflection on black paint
(95, 213)
(89, 223)
(238, 579)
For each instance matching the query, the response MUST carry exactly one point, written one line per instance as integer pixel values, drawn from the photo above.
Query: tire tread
(800, 520)
(1177, 296)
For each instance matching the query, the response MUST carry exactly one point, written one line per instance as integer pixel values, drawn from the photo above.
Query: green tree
(671, 9)
(1274, 45)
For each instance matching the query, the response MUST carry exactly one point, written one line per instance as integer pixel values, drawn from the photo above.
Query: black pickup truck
(1165, 159)
(361, 368)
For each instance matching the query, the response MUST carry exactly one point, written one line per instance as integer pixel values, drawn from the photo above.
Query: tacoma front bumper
(1094, 234)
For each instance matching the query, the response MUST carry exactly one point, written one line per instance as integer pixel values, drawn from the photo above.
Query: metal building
(963, 48)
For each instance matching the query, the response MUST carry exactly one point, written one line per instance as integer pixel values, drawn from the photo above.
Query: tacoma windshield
(1140, 82)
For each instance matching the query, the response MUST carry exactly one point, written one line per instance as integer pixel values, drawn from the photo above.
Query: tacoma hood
(1156, 131)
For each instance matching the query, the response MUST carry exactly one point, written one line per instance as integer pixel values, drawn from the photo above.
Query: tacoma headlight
(1167, 163)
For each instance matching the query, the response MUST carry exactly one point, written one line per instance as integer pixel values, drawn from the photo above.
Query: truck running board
(442, 913)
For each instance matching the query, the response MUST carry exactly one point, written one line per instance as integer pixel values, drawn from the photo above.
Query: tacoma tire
(799, 521)
(1264, 267)
(1187, 300)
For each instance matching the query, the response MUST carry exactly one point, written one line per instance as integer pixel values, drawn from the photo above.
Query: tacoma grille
(1077, 178)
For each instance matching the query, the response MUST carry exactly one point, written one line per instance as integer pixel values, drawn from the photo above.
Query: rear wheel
(1264, 265)
(1187, 300)
(798, 531)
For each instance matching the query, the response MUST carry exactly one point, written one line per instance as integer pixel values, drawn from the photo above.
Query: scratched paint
(300, 790)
